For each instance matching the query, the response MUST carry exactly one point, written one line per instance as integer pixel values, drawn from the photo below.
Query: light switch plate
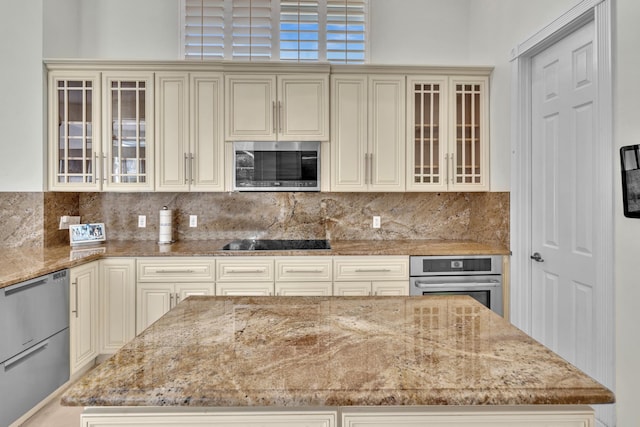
(142, 221)
(376, 222)
(193, 221)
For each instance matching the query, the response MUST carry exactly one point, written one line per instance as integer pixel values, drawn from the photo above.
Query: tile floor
(55, 415)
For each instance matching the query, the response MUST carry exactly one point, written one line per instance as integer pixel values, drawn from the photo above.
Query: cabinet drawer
(296, 269)
(32, 375)
(245, 269)
(371, 268)
(32, 311)
(176, 270)
(304, 289)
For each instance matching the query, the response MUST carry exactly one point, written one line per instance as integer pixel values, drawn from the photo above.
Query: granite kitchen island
(331, 361)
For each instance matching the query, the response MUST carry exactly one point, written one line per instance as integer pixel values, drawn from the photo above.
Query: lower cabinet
(117, 303)
(84, 317)
(304, 276)
(379, 288)
(155, 299)
(162, 282)
(304, 289)
(371, 275)
(347, 416)
(245, 276)
(470, 416)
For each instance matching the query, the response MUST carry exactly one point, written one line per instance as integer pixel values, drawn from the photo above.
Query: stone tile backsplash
(482, 217)
(31, 219)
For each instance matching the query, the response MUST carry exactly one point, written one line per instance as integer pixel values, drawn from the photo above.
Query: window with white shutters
(286, 30)
(251, 34)
(346, 28)
(299, 30)
(203, 29)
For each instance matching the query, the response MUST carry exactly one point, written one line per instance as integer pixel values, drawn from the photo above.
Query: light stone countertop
(333, 351)
(17, 265)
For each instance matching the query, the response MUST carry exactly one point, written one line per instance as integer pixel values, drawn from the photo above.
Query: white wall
(626, 58)
(21, 91)
(433, 32)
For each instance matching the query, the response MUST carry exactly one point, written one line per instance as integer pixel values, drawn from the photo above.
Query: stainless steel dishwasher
(34, 342)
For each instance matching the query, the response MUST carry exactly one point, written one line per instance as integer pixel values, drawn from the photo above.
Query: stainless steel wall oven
(479, 276)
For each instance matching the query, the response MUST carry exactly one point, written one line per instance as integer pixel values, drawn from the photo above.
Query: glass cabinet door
(471, 140)
(74, 132)
(130, 128)
(427, 133)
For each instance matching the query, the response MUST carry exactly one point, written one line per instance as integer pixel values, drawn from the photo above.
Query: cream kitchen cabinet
(245, 276)
(117, 303)
(377, 288)
(163, 282)
(470, 416)
(447, 133)
(84, 316)
(100, 130)
(189, 131)
(304, 276)
(75, 141)
(155, 299)
(269, 107)
(370, 275)
(368, 132)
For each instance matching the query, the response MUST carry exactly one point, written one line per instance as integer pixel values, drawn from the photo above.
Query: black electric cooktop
(276, 245)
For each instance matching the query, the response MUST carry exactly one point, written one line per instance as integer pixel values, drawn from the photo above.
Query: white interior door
(564, 199)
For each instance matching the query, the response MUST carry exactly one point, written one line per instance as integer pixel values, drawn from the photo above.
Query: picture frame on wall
(630, 167)
(84, 234)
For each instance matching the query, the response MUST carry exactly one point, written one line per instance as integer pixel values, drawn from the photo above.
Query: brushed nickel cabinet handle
(75, 284)
(303, 270)
(186, 168)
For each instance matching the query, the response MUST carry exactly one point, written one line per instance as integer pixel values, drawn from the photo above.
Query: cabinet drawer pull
(372, 270)
(234, 270)
(24, 355)
(183, 271)
(303, 270)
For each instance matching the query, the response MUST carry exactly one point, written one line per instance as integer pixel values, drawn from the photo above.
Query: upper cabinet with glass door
(128, 133)
(100, 131)
(74, 131)
(448, 133)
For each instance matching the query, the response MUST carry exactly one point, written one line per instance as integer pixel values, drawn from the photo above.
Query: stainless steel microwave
(276, 166)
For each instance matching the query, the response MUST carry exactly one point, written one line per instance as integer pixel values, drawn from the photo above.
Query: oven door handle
(427, 285)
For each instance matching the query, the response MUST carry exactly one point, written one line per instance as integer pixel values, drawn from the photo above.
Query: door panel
(564, 205)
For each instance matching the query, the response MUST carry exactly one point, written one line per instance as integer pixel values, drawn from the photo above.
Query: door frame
(586, 11)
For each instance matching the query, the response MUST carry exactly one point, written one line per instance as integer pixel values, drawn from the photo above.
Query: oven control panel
(445, 265)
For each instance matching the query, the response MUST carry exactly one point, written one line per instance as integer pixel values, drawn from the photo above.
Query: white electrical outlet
(376, 221)
(67, 220)
(193, 220)
(142, 221)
